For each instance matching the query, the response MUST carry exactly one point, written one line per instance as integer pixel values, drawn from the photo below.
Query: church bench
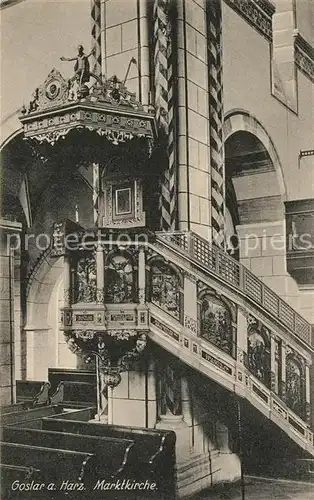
(151, 444)
(57, 375)
(32, 392)
(155, 449)
(12, 408)
(79, 414)
(75, 394)
(111, 454)
(11, 473)
(23, 416)
(56, 465)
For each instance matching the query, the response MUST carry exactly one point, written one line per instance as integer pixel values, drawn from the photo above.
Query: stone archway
(255, 197)
(240, 120)
(44, 345)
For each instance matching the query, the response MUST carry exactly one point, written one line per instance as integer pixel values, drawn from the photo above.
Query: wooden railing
(228, 269)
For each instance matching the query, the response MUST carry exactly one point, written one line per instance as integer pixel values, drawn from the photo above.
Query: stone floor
(261, 489)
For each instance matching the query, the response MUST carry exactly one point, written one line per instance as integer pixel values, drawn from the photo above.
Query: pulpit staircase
(195, 258)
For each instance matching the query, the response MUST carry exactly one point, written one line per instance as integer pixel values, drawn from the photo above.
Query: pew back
(57, 375)
(13, 408)
(150, 444)
(11, 473)
(112, 455)
(22, 416)
(55, 464)
(75, 394)
(33, 392)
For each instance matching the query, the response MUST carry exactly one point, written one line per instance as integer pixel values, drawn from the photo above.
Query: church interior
(157, 254)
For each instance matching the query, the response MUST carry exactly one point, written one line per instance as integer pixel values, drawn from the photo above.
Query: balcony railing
(232, 272)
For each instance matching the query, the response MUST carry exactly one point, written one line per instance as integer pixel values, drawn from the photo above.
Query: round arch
(240, 120)
(10, 128)
(44, 345)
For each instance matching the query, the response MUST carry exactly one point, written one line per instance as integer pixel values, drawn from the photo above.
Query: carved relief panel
(217, 319)
(295, 382)
(120, 279)
(165, 288)
(259, 350)
(85, 279)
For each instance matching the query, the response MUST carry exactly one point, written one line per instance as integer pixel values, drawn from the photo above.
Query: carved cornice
(258, 13)
(304, 56)
(107, 108)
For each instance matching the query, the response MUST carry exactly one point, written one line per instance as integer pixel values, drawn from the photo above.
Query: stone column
(133, 401)
(273, 363)
(282, 390)
(67, 280)
(192, 120)
(144, 53)
(241, 333)
(171, 417)
(222, 437)
(190, 303)
(307, 395)
(141, 276)
(100, 275)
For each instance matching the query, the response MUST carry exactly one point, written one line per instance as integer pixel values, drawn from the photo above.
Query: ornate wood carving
(107, 107)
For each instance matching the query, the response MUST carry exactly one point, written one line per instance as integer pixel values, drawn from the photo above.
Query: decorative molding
(121, 317)
(191, 277)
(165, 329)
(190, 323)
(58, 106)
(258, 13)
(137, 217)
(100, 295)
(304, 56)
(67, 296)
(216, 362)
(141, 295)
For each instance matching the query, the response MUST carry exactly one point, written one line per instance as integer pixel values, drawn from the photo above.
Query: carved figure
(81, 67)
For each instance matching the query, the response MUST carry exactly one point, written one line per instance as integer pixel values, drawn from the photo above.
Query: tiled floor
(256, 489)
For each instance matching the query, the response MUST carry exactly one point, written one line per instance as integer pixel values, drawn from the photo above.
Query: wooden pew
(12, 408)
(11, 473)
(33, 414)
(57, 375)
(75, 394)
(56, 465)
(81, 414)
(111, 454)
(32, 392)
(155, 448)
(152, 443)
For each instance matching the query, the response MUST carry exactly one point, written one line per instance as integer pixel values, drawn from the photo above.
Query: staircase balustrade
(237, 275)
(234, 373)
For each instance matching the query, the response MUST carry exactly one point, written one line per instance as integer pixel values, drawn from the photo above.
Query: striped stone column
(164, 78)
(96, 191)
(96, 36)
(214, 33)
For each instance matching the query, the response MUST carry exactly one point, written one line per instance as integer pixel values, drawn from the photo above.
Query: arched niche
(120, 277)
(165, 287)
